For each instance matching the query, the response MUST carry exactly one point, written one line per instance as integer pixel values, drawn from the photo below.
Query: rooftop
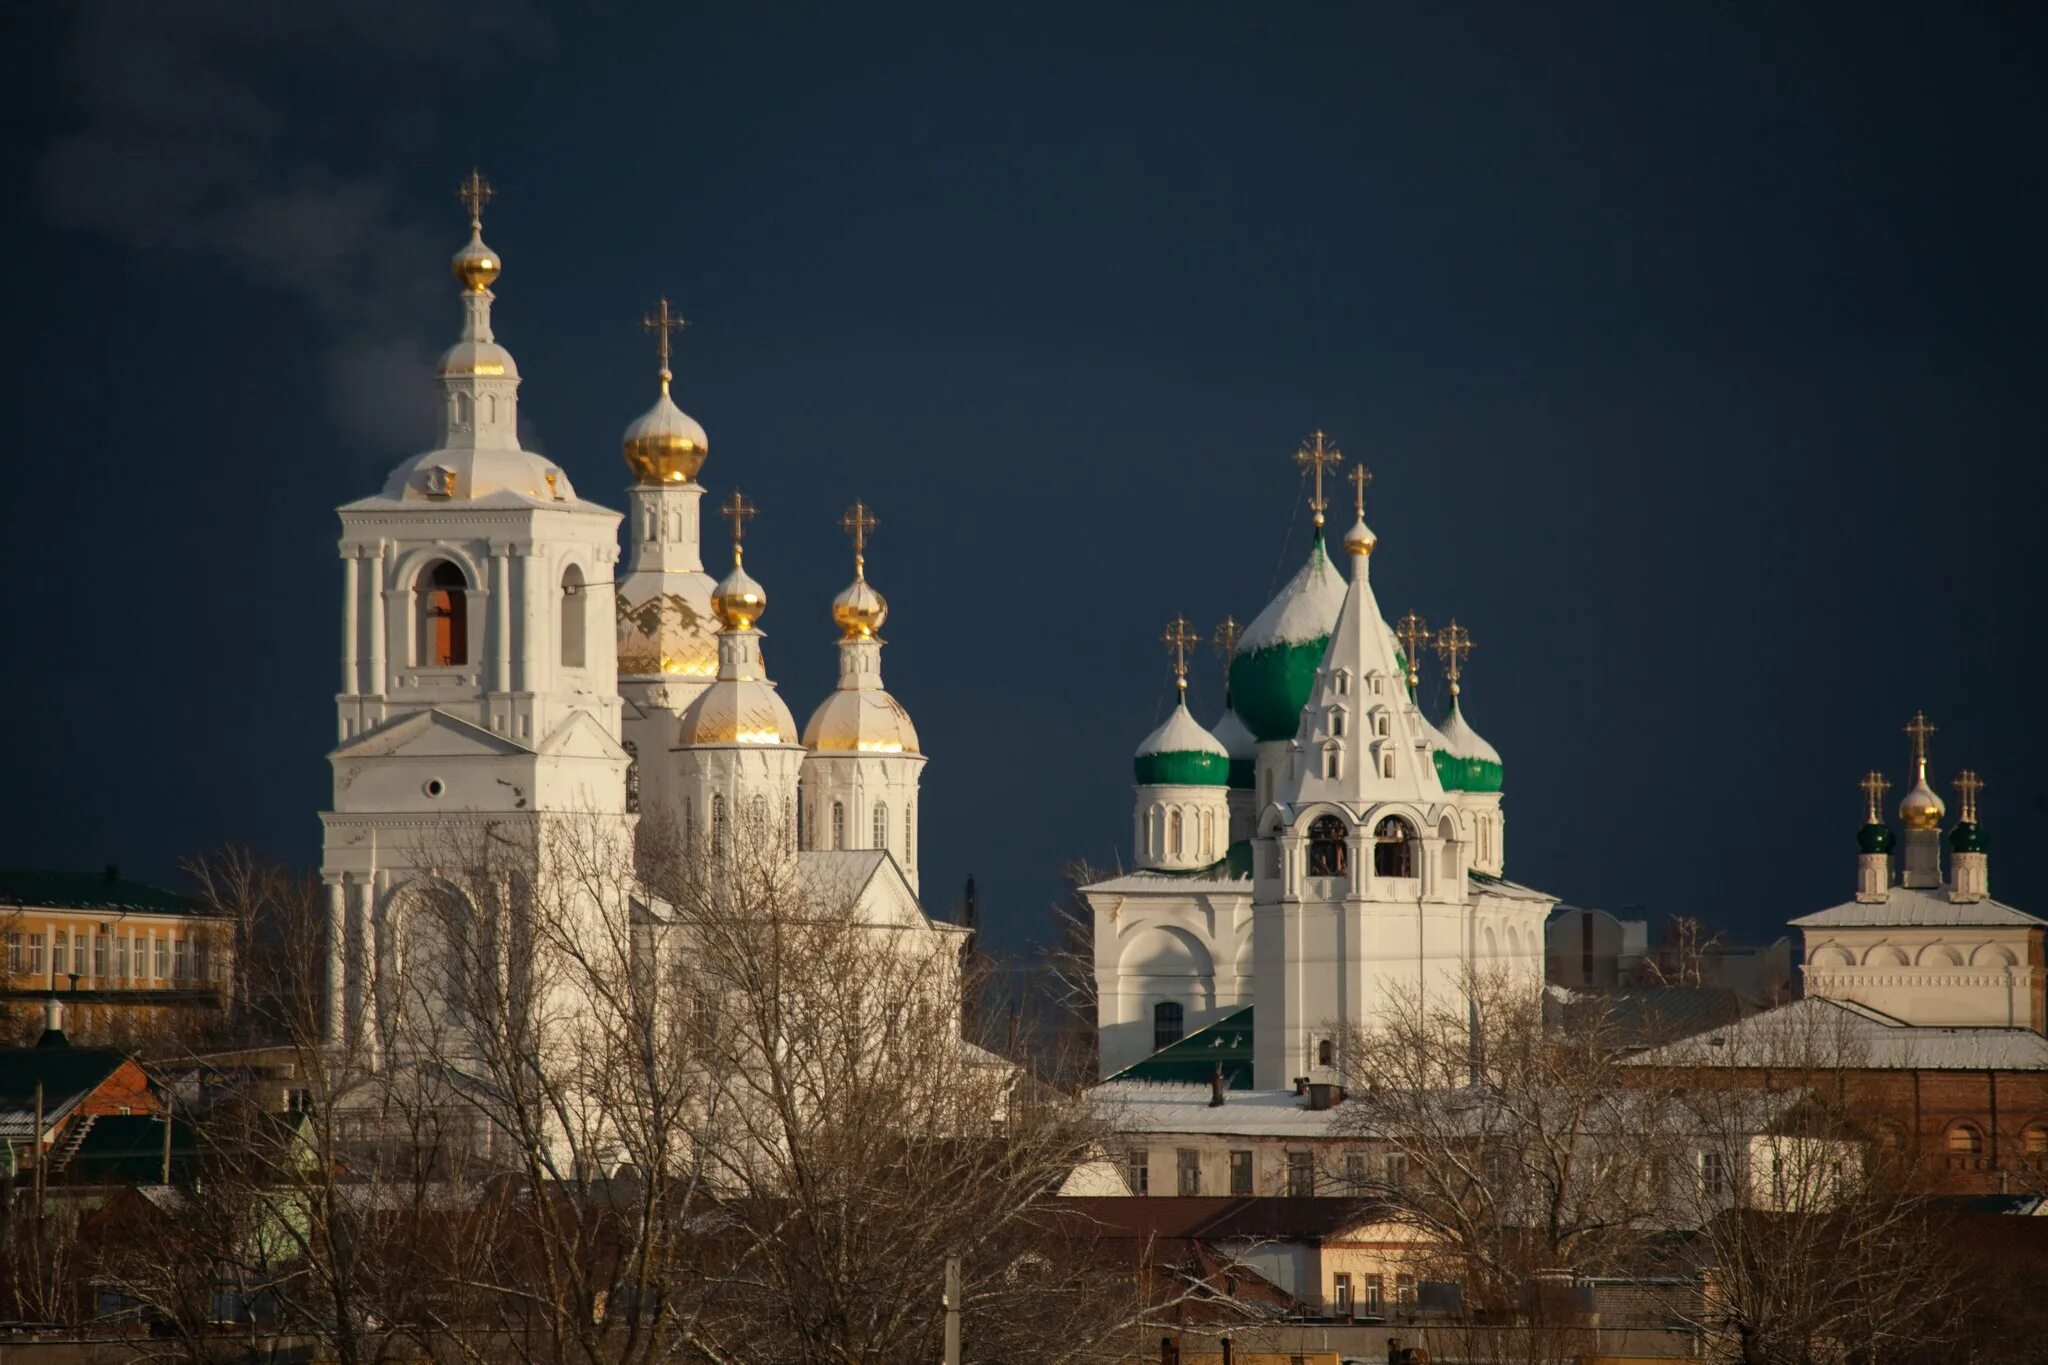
(108, 891)
(1821, 1032)
(1914, 906)
(1136, 1106)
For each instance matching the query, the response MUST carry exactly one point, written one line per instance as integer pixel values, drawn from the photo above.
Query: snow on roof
(1906, 906)
(1169, 1107)
(1181, 734)
(1461, 740)
(1819, 1031)
(1235, 736)
(1215, 877)
(1305, 610)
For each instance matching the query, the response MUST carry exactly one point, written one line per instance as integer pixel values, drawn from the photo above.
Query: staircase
(65, 1150)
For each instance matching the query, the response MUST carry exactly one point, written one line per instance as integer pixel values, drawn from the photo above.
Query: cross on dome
(1874, 785)
(1413, 633)
(1178, 639)
(1968, 784)
(1361, 479)
(739, 512)
(857, 522)
(1453, 645)
(661, 322)
(475, 192)
(1919, 728)
(1317, 453)
(1226, 636)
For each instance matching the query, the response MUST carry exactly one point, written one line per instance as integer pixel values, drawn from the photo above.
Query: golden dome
(739, 601)
(665, 445)
(1920, 808)
(860, 610)
(1359, 540)
(476, 265)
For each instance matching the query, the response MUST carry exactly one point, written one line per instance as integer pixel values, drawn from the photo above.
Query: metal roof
(1913, 906)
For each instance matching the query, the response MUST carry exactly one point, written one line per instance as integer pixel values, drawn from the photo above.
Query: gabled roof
(429, 734)
(1906, 907)
(1841, 1033)
(580, 736)
(67, 1074)
(1192, 1060)
(41, 888)
(1216, 1219)
(1500, 886)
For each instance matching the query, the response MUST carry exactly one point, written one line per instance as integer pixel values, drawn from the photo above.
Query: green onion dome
(1181, 753)
(1876, 837)
(1465, 763)
(1967, 837)
(1236, 739)
(1274, 668)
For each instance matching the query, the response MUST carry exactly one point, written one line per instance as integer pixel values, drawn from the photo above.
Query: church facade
(502, 668)
(1325, 853)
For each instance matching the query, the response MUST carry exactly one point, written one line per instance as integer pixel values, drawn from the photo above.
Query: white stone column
(501, 589)
(351, 609)
(380, 638)
(334, 970)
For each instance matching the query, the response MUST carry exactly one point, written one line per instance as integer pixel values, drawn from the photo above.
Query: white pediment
(429, 734)
(580, 736)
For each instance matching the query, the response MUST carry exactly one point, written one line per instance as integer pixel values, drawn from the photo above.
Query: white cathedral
(1322, 852)
(497, 668)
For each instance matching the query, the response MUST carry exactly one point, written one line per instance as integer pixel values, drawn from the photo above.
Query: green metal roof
(1194, 1059)
(42, 888)
(129, 1149)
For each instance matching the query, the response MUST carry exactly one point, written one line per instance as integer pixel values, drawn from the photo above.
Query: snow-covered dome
(1274, 666)
(1180, 753)
(738, 711)
(1237, 741)
(1465, 762)
(869, 721)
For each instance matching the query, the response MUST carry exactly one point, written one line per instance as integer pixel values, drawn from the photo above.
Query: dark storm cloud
(192, 136)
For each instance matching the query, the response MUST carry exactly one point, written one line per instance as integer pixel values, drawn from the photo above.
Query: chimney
(1301, 1085)
(1216, 1087)
(53, 1025)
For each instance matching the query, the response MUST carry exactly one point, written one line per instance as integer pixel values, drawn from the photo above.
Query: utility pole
(952, 1310)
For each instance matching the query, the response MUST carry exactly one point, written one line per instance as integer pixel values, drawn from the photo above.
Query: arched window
(1964, 1139)
(1387, 763)
(1333, 761)
(1166, 1024)
(1337, 722)
(1393, 850)
(632, 777)
(1448, 863)
(572, 617)
(881, 825)
(1208, 834)
(718, 821)
(441, 594)
(1379, 725)
(1173, 835)
(1326, 1053)
(2034, 1140)
(1328, 853)
(838, 824)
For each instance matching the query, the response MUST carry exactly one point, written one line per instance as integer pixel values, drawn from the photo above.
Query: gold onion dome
(1920, 807)
(859, 610)
(665, 445)
(476, 265)
(738, 601)
(1359, 540)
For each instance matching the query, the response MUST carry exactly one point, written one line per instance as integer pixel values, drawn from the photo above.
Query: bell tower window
(572, 617)
(1329, 855)
(1167, 1024)
(1393, 853)
(442, 597)
(838, 824)
(881, 825)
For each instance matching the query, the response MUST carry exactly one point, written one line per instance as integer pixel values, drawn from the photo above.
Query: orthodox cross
(857, 522)
(1413, 633)
(1874, 787)
(475, 192)
(739, 511)
(1317, 454)
(1920, 728)
(661, 322)
(1453, 643)
(1178, 639)
(1968, 784)
(1361, 478)
(1226, 636)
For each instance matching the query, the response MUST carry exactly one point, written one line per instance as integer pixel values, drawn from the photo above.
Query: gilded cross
(857, 522)
(662, 321)
(1318, 454)
(1413, 633)
(1361, 479)
(1226, 637)
(739, 512)
(1874, 787)
(1178, 639)
(475, 192)
(1968, 784)
(1920, 728)
(1453, 644)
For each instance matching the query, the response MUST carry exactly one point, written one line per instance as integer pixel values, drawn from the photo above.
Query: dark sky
(1698, 353)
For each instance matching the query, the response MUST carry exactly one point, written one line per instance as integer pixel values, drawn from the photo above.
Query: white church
(498, 667)
(1320, 852)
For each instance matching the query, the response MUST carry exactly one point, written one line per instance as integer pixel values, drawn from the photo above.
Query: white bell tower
(478, 678)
